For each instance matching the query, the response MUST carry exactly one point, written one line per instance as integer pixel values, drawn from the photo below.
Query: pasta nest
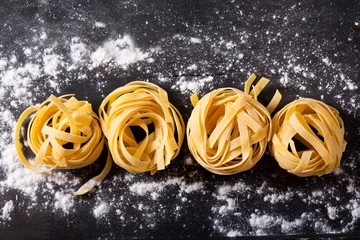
(63, 133)
(141, 108)
(308, 138)
(228, 129)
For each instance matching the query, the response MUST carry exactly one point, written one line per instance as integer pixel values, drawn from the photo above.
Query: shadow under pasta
(316, 132)
(303, 145)
(140, 133)
(299, 145)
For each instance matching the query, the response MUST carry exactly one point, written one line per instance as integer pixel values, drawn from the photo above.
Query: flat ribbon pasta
(228, 129)
(145, 106)
(63, 133)
(318, 127)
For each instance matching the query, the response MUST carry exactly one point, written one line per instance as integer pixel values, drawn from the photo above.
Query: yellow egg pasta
(63, 133)
(228, 129)
(320, 131)
(145, 106)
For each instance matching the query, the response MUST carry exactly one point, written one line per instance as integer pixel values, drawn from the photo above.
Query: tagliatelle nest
(318, 127)
(228, 129)
(144, 106)
(63, 133)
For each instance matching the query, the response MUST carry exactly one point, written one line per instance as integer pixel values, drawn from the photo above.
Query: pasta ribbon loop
(144, 130)
(228, 129)
(308, 138)
(63, 133)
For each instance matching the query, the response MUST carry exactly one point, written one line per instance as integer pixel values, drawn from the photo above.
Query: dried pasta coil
(228, 129)
(308, 138)
(63, 133)
(141, 107)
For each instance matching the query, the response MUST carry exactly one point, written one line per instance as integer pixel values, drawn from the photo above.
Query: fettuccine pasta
(145, 106)
(63, 133)
(318, 127)
(228, 129)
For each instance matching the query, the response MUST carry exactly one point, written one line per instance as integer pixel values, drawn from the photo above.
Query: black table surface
(306, 48)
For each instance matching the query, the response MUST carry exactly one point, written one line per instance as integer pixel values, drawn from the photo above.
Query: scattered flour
(120, 52)
(51, 64)
(18, 177)
(338, 171)
(192, 85)
(262, 221)
(3, 63)
(100, 25)
(354, 206)
(154, 189)
(189, 161)
(22, 81)
(326, 61)
(274, 198)
(192, 67)
(232, 233)
(195, 40)
(18, 80)
(7, 209)
(285, 79)
(317, 193)
(288, 227)
(101, 210)
(44, 66)
(332, 212)
(192, 187)
(78, 52)
(230, 205)
(64, 201)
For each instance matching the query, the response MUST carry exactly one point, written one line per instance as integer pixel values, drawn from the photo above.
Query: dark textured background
(325, 32)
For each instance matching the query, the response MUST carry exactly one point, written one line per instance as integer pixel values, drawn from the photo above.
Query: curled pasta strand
(63, 133)
(228, 129)
(318, 127)
(145, 106)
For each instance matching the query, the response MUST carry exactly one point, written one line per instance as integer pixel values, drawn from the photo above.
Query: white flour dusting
(45, 70)
(192, 187)
(265, 221)
(3, 63)
(64, 201)
(79, 52)
(142, 189)
(101, 210)
(120, 52)
(274, 198)
(22, 179)
(41, 72)
(192, 85)
(51, 64)
(285, 79)
(189, 161)
(100, 25)
(262, 221)
(18, 80)
(7, 209)
(195, 40)
(332, 212)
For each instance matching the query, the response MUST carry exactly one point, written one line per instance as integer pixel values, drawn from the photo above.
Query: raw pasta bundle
(318, 127)
(63, 133)
(144, 106)
(228, 129)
